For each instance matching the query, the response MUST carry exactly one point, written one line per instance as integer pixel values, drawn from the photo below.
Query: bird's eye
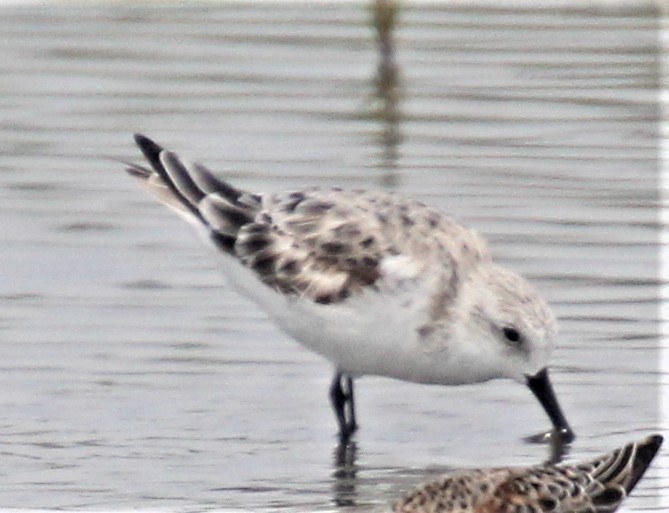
(512, 335)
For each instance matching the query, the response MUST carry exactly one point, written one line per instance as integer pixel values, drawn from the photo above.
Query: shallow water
(134, 379)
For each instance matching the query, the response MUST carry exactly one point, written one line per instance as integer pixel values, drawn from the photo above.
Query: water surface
(133, 378)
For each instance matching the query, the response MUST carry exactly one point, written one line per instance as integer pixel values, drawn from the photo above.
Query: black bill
(541, 387)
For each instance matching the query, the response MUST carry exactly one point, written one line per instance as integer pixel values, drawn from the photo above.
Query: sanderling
(599, 485)
(377, 284)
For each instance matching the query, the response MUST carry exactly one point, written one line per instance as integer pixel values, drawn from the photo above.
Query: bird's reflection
(345, 472)
(558, 447)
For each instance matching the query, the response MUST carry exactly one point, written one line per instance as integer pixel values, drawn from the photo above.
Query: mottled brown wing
(597, 486)
(321, 244)
(458, 492)
(329, 244)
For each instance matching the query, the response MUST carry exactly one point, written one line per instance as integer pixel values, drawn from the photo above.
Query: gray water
(131, 377)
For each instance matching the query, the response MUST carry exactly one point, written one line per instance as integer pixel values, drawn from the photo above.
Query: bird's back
(320, 244)
(597, 486)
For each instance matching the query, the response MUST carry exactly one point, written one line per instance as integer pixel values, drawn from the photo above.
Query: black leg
(343, 405)
(352, 424)
(338, 400)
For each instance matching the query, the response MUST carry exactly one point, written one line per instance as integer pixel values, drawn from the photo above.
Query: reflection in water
(345, 468)
(558, 449)
(345, 471)
(387, 89)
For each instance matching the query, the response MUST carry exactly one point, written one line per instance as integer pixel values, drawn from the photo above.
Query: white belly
(374, 333)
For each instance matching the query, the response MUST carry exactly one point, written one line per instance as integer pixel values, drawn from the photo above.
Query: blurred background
(133, 378)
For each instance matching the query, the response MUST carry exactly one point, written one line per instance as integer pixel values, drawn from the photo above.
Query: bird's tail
(195, 193)
(616, 474)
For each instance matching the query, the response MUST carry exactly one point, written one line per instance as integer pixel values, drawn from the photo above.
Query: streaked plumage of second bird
(375, 283)
(596, 486)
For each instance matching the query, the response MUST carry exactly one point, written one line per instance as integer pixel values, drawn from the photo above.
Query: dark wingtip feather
(645, 452)
(150, 149)
(144, 142)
